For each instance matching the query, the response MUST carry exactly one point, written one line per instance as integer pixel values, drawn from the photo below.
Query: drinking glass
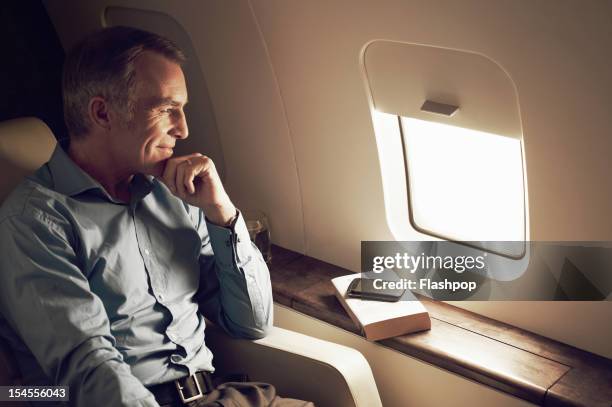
(259, 231)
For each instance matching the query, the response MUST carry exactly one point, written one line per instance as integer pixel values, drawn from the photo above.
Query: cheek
(150, 142)
(148, 138)
(147, 148)
(151, 153)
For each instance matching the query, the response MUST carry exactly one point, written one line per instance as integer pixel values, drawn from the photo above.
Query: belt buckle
(192, 398)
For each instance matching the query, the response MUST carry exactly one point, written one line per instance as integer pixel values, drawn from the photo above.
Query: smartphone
(364, 288)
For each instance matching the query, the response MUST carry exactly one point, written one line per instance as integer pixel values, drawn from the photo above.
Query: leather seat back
(25, 144)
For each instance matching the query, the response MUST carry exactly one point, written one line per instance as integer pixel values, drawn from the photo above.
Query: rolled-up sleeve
(235, 289)
(47, 300)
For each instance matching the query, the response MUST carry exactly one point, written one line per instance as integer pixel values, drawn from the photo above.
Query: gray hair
(102, 65)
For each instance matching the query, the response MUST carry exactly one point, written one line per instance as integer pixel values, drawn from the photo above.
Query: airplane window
(449, 139)
(452, 183)
(464, 184)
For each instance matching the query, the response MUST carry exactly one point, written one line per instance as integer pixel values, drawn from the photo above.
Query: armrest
(299, 366)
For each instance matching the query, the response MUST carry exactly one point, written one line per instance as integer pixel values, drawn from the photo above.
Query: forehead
(158, 78)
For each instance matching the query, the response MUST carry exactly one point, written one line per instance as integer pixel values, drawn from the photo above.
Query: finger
(205, 167)
(181, 169)
(198, 168)
(189, 176)
(169, 175)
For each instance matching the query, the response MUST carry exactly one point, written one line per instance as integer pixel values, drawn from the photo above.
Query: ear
(99, 113)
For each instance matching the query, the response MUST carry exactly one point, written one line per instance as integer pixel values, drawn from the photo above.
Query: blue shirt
(105, 296)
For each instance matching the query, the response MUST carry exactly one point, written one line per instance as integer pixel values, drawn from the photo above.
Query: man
(114, 249)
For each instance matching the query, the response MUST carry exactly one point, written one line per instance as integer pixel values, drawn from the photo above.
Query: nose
(179, 128)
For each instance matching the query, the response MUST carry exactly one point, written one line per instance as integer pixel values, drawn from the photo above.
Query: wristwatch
(230, 223)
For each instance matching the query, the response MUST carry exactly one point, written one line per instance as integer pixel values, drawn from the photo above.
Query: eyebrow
(164, 101)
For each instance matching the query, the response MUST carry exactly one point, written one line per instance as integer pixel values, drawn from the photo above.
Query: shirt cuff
(232, 244)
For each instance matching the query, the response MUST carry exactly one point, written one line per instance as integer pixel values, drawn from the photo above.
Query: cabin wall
(287, 88)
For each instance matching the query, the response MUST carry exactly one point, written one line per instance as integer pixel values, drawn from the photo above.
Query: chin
(155, 169)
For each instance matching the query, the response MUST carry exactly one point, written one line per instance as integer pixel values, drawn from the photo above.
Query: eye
(168, 111)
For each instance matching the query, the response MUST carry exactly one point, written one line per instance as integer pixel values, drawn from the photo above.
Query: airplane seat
(25, 144)
(298, 365)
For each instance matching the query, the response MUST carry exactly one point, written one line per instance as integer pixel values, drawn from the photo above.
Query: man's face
(145, 143)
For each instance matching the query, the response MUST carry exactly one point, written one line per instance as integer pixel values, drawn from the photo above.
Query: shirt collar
(71, 180)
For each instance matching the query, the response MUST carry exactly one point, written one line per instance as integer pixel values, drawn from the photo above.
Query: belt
(189, 388)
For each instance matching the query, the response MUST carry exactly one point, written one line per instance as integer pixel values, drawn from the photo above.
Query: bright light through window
(464, 184)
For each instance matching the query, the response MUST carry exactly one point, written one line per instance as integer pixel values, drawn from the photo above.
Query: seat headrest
(25, 144)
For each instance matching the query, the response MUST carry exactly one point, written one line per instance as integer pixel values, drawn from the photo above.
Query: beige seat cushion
(25, 144)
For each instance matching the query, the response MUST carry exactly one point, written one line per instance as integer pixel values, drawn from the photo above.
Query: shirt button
(146, 251)
(161, 297)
